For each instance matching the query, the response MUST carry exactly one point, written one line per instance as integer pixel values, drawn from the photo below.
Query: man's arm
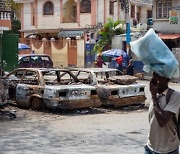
(162, 116)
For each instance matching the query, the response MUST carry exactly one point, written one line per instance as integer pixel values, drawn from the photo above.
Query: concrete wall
(60, 55)
(103, 7)
(80, 53)
(176, 52)
(5, 23)
(38, 50)
(100, 11)
(27, 17)
(117, 43)
(143, 12)
(50, 21)
(53, 21)
(85, 19)
(143, 18)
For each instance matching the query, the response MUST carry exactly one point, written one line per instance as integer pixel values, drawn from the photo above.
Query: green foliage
(15, 26)
(106, 33)
(15, 22)
(16, 8)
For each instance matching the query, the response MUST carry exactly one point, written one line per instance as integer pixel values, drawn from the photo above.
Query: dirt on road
(78, 131)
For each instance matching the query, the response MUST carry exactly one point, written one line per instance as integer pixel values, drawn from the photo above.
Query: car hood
(117, 86)
(62, 87)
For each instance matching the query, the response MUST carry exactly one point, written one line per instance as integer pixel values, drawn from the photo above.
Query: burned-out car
(112, 88)
(53, 88)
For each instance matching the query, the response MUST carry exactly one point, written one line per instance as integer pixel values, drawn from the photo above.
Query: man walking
(164, 108)
(163, 138)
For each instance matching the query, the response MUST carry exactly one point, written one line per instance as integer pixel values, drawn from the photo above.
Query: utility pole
(125, 8)
(127, 18)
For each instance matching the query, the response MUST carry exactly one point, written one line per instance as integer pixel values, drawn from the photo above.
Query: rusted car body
(112, 88)
(53, 88)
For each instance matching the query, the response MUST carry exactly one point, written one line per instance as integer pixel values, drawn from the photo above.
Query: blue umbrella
(22, 46)
(114, 53)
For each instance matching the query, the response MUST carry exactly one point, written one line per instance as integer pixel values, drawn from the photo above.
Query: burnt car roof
(23, 55)
(96, 70)
(43, 69)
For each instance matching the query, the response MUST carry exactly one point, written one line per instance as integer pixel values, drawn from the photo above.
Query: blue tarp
(114, 53)
(155, 55)
(22, 46)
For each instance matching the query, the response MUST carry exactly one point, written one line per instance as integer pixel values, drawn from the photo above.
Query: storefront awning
(169, 36)
(71, 33)
(38, 31)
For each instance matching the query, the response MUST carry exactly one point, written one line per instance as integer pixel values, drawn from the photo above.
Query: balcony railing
(5, 15)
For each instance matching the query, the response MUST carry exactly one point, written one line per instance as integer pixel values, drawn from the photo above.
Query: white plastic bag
(155, 55)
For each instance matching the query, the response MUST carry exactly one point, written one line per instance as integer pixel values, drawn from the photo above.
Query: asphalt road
(94, 131)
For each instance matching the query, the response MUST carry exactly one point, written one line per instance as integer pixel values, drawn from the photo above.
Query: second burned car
(113, 89)
(53, 88)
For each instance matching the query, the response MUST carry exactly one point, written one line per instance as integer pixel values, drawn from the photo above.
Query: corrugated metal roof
(169, 36)
(142, 1)
(71, 33)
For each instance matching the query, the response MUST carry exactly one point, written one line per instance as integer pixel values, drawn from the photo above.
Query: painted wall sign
(173, 18)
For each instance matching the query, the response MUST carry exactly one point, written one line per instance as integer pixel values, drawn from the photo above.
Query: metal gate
(8, 51)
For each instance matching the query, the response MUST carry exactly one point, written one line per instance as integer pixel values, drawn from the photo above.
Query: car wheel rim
(37, 104)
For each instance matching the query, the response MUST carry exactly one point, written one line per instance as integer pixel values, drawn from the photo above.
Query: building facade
(69, 27)
(140, 11)
(44, 16)
(165, 16)
(5, 15)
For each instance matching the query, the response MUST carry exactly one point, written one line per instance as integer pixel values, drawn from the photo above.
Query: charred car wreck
(113, 89)
(49, 87)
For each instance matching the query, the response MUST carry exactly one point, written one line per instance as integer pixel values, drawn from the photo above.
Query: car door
(29, 86)
(11, 81)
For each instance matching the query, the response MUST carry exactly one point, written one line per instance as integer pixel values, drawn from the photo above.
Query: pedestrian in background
(99, 62)
(125, 61)
(130, 68)
(119, 61)
(32, 52)
(163, 138)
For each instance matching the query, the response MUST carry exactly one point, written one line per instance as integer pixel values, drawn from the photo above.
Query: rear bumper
(77, 104)
(117, 102)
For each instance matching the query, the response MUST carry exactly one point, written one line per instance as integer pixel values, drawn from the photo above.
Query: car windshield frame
(57, 76)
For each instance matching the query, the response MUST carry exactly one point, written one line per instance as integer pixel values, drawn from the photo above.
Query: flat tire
(36, 104)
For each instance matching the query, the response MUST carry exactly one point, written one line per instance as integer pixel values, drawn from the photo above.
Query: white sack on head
(155, 55)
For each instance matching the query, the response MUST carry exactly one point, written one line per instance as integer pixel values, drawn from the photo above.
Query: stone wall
(64, 53)
(176, 52)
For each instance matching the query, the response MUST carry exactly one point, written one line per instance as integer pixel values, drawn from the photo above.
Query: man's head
(99, 57)
(160, 81)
